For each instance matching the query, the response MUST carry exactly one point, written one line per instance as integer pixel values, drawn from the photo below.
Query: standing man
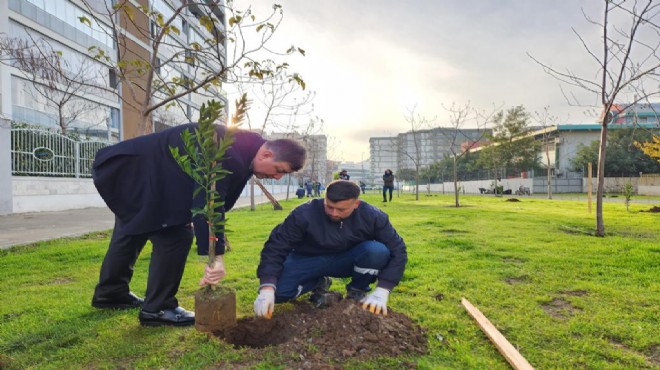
(343, 175)
(339, 236)
(151, 198)
(388, 184)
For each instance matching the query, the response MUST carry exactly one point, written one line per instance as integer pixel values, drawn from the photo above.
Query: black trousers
(385, 190)
(168, 261)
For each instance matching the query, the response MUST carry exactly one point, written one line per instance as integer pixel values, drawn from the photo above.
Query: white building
(423, 147)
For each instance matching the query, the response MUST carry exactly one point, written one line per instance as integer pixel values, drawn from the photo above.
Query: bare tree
(548, 123)
(460, 142)
(181, 59)
(627, 65)
(283, 101)
(56, 81)
(417, 124)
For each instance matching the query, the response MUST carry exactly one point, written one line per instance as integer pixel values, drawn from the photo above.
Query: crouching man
(339, 236)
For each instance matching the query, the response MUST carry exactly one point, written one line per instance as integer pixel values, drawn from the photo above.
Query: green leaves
(204, 152)
(85, 20)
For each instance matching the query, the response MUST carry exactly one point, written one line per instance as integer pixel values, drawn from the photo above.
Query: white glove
(376, 302)
(264, 305)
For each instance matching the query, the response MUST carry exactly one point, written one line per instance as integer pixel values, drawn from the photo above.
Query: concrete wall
(5, 168)
(642, 186)
(648, 185)
(471, 187)
(42, 194)
(46, 194)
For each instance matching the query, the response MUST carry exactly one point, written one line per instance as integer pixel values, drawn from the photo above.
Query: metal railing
(37, 152)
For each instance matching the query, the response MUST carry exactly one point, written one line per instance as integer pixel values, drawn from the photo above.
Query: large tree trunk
(276, 205)
(600, 225)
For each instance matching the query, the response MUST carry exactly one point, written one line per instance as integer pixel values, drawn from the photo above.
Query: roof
(597, 126)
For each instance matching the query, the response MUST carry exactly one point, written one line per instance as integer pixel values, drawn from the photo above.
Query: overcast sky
(370, 61)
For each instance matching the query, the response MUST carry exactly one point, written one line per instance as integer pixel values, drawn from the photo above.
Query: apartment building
(317, 167)
(406, 149)
(108, 110)
(96, 112)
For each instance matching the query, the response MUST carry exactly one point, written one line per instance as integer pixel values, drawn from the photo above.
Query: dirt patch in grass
(517, 279)
(653, 355)
(654, 209)
(5, 361)
(453, 231)
(512, 200)
(560, 308)
(61, 280)
(305, 337)
(573, 230)
(513, 260)
(575, 293)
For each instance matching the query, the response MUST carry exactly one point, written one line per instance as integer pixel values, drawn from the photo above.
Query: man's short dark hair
(287, 150)
(339, 190)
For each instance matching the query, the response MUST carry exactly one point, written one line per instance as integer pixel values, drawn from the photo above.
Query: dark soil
(512, 200)
(305, 337)
(560, 308)
(654, 209)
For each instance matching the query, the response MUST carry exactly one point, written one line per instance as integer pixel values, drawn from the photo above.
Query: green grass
(564, 298)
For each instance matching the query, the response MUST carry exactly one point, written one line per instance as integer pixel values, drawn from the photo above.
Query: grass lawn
(564, 298)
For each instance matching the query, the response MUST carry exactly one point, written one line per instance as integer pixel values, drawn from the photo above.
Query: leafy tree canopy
(624, 157)
(650, 148)
(511, 147)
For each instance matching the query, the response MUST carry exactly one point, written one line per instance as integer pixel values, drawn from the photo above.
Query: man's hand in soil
(376, 302)
(264, 305)
(213, 274)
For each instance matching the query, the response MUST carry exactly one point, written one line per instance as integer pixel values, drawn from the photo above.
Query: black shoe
(321, 296)
(129, 300)
(384, 200)
(172, 317)
(323, 285)
(355, 294)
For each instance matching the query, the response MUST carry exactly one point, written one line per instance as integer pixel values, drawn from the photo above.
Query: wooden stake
(589, 187)
(514, 358)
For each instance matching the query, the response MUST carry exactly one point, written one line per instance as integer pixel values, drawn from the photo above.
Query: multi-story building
(108, 111)
(359, 171)
(56, 24)
(316, 164)
(422, 147)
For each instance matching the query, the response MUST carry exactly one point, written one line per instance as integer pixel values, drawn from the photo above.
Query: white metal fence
(37, 152)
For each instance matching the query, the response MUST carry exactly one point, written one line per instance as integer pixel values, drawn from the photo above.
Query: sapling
(202, 161)
(628, 191)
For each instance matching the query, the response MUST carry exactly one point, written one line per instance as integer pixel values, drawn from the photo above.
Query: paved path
(28, 228)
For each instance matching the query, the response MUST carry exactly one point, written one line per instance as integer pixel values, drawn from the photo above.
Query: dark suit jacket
(146, 189)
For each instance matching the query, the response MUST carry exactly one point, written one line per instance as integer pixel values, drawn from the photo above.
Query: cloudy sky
(371, 61)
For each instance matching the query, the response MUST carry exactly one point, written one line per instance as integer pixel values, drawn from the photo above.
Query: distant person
(343, 175)
(338, 236)
(152, 198)
(300, 192)
(317, 189)
(308, 188)
(388, 184)
(363, 186)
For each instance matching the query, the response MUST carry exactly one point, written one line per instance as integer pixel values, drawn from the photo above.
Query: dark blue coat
(309, 231)
(146, 189)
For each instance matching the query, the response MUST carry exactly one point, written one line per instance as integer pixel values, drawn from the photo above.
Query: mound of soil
(513, 200)
(654, 209)
(308, 337)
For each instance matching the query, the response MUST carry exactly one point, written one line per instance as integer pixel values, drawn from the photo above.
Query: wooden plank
(514, 358)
